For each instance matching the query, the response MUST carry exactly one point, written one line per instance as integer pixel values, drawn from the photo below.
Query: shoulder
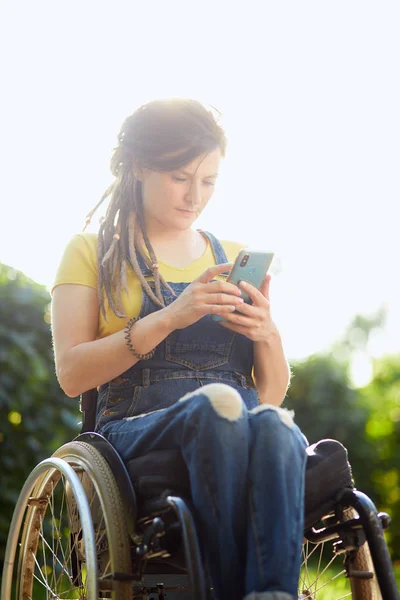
(79, 261)
(86, 242)
(232, 249)
(82, 247)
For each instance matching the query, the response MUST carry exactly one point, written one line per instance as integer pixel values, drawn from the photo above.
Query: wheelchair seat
(328, 473)
(158, 471)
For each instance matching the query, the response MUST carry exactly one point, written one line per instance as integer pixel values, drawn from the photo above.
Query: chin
(183, 224)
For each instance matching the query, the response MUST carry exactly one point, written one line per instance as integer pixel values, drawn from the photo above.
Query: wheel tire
(101, 477)
(363, 589)
(68, 535)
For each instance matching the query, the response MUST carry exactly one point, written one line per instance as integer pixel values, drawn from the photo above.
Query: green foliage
(327, 407)
(365, 421)
(36, 417)
(382, 397)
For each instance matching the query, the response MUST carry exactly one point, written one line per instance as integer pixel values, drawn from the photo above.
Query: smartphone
(249, 266)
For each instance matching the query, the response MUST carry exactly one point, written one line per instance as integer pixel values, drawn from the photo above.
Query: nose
(194, 197)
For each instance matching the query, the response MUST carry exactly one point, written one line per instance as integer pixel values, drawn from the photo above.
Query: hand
(254, 320)
(204, 297)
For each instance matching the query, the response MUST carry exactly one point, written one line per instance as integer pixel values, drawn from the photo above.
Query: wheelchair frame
(370, 522)
(349, 535)
(352, 533)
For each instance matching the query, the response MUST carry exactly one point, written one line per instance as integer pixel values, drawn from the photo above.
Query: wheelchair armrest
(327, 473)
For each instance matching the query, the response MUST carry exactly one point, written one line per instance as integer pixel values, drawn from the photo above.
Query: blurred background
(309, 95)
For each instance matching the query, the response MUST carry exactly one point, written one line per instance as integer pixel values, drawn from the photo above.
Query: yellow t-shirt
(79, 266)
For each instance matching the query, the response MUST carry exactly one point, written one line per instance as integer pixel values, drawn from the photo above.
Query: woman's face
(173, 200)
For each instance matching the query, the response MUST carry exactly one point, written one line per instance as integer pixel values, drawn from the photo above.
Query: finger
(234, 327)
(249, 310)
(238, 319)
(264, 288)
(212, 272)
(222, 298)
(224, 287)
(256, 296)
(220, 309)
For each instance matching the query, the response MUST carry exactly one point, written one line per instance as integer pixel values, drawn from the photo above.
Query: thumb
(212, 272)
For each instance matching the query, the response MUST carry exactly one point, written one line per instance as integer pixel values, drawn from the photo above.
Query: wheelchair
(87, 526)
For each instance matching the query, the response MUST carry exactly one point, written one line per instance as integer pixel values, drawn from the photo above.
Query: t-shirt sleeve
(79, 262)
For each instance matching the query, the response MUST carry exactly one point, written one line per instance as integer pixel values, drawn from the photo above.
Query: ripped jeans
(246, 471)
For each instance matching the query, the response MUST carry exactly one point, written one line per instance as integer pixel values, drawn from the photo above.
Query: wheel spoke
(55, 557)
(55, 526)
(328, 582)
(316, 574)
(42, 581)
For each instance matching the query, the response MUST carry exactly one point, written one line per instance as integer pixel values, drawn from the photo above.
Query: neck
(158, 234)
(177, 247)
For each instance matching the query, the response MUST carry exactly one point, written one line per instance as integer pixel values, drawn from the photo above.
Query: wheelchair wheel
(335, 574)
(70, 532)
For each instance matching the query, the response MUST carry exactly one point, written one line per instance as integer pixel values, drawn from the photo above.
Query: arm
(271, 369)
(84, 362)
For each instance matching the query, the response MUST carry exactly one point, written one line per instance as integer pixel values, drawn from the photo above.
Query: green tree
(366, 421)
(36, 417)
(326, 406)
(382, 397)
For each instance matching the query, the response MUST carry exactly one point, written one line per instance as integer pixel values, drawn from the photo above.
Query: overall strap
(217, 249)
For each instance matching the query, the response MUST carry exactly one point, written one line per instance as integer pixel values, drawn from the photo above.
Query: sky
(309, 94)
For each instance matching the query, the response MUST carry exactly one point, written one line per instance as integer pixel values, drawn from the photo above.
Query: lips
(186, 212)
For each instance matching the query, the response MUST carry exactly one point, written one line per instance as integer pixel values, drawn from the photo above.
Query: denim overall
(188, 358)
(246, 461)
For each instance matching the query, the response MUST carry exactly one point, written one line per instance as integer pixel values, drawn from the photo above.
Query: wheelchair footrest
(360, 574)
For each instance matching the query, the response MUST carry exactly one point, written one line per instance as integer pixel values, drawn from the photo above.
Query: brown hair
(162, 135)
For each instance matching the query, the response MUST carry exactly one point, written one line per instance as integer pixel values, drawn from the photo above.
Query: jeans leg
(211, 427)
(215, 449)
(276, 502)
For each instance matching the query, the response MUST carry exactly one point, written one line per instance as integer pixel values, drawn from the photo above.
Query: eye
(178, 178)
(209, 183)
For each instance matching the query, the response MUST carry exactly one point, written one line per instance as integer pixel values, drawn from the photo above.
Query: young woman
(132, 316)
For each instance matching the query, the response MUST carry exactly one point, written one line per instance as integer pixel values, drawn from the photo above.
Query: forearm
(271, 370)
(90, 364)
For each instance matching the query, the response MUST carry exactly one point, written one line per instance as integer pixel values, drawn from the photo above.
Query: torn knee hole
(285, 415)
(225, 400)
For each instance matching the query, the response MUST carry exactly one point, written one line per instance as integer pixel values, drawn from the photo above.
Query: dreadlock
(162, 135)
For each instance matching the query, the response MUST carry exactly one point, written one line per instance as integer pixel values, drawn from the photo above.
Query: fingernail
(240, 300)
(243, 283)
(232, 308)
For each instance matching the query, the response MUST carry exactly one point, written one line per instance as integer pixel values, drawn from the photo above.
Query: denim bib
(187, 359)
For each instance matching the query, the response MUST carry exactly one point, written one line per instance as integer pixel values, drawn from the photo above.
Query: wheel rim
(48, 547)
(52, 559)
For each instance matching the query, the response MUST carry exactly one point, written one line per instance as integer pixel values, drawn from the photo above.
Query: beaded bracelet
(127, 331)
